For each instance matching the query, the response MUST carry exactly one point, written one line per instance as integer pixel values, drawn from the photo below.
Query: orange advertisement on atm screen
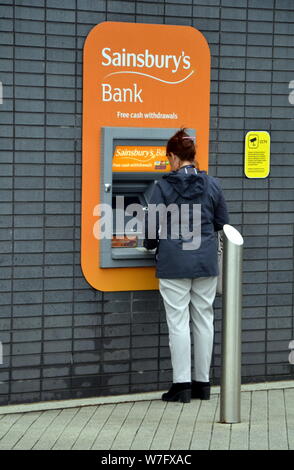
(137, 75)
(139, 158)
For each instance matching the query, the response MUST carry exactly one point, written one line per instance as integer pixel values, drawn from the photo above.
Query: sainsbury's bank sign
(138, 76)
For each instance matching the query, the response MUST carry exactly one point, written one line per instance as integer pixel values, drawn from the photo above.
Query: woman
(188, 275)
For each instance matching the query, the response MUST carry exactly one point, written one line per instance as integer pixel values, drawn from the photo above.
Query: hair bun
(182, 145)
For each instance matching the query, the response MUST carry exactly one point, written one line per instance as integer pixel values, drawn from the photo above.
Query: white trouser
(182, 298)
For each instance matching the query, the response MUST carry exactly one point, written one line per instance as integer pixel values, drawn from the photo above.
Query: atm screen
(129, 158)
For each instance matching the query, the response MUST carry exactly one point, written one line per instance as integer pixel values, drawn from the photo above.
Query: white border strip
(152, 76)
(75, 403)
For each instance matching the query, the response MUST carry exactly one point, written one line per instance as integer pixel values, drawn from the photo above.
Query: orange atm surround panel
(166, 72)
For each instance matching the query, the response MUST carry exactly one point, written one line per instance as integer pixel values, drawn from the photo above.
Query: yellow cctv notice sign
(257, 154)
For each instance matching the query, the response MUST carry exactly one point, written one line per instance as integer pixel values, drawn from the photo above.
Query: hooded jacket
(174, 257)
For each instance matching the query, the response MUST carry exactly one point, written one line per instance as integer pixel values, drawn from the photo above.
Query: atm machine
(132, 160)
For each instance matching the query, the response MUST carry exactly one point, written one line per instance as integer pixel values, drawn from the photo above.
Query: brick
(90, 5)
(33, 3)
(117, 307)
(206, 12)
(276, 265)
(86, 320)
(260, 253)
(204, 2)
(30, 40)
(281, 288)
(62, 55)
(69, 4)
(284, 16)
(57, 296)
(84, 345)
(145, 341)
(55, 384)
(90, 17)
(6, 12)
(60, 29)
(150, 9)
(6, 24)
(57, 334)
(278, 323)
(113, 331)
(27, 284)
(258, 100)
(285, 41)
(59, 221)
(263, 3)
(116, 368)
(60, 68)
(26, 336)
(127, 7)
(232, 38)
(60, 15)
(233, 13)
(29, 26)
(29, 53)
(174, 10)
(27, 310)
(232, 25)
(282, 276)
(5, 286)
(119, 355)
(260, 27)
(61, 42)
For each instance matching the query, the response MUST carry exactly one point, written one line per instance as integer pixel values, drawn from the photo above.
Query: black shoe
(178, 392)
(200, 390)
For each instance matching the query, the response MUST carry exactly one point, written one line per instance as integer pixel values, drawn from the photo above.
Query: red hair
(182, 145)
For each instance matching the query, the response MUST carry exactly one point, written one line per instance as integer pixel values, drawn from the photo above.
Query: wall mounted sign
(257, 154)
(137, 76)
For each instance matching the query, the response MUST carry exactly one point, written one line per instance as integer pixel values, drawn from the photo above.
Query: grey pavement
(144, 422)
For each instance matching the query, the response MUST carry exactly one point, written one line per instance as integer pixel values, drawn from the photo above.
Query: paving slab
(267, 422)
(277, 420)
(166, 426)
(240, 431)
(68, 437)
(289, 404)
(206, 416)
(258, 437)
(149, 425)
(18, 429)
(187, 421)
(112, 426)
(35, 431)
(54, 430)
(132, 423)
(89, 433)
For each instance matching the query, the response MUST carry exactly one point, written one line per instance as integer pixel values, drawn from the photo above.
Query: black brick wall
(62, 339)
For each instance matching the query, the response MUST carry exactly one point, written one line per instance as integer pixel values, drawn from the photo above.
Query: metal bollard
(230, 394)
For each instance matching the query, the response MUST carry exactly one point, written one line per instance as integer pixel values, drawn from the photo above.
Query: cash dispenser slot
(128, 244)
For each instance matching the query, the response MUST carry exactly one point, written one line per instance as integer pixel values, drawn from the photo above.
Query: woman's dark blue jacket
(186, 187)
